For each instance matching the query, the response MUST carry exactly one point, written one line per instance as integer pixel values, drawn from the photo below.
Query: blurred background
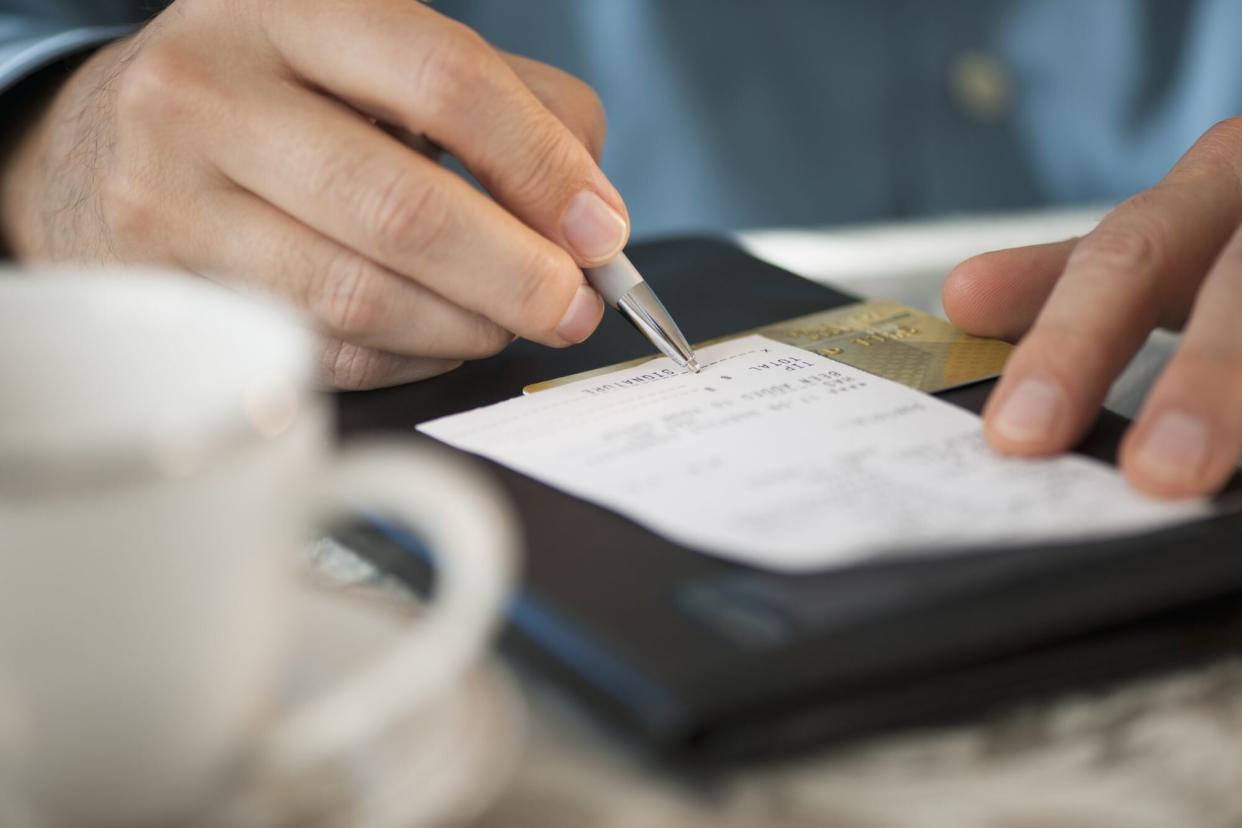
(728, 114)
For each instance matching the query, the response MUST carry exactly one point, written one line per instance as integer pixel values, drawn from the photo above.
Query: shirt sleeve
(37, 33)
(35, 47)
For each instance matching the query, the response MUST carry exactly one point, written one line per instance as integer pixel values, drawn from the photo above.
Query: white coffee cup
(163, 462)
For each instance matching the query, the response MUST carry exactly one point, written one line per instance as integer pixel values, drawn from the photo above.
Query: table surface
(1157, 752)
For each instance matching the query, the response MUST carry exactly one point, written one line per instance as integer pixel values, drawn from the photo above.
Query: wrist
(31, 108)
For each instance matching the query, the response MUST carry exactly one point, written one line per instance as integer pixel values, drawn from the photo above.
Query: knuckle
(347, 297)
(452, 73)
(408, 217)
(158, 83)
(128, 208)
(350, 367)
(1137, 248)
(550, 174)
(340, 176)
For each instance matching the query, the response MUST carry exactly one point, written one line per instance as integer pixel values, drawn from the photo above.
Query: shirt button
(979, 86)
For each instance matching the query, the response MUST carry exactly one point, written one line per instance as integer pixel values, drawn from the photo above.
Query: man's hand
(276, 144)
(1168, 257)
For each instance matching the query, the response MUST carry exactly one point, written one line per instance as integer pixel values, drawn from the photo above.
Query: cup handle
(472, 535)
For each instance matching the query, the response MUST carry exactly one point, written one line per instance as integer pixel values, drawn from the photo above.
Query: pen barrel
(613, 280)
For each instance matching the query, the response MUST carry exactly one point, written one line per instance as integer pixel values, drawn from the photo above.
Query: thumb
(999, 294)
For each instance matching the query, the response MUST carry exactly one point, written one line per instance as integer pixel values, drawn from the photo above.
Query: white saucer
(439, 766)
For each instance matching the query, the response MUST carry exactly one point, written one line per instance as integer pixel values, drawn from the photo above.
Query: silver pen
(622, 287)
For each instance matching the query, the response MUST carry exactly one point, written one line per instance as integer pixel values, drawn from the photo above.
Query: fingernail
(582, 316)
(1174, 449)
(594, 230)
(1029, 414)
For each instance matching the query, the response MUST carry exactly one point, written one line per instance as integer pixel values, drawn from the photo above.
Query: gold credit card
(880, 337)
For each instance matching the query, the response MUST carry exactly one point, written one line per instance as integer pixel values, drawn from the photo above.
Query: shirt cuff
(21, 58)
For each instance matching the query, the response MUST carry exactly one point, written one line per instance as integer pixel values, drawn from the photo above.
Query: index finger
(326, 166)
(409, 65)
(1137, 270)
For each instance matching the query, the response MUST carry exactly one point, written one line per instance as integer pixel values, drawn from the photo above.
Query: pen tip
(693, 365)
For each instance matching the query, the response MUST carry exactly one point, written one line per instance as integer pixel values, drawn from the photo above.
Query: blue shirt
(731, 113)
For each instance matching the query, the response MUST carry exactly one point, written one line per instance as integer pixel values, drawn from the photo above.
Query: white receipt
(786, 460)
